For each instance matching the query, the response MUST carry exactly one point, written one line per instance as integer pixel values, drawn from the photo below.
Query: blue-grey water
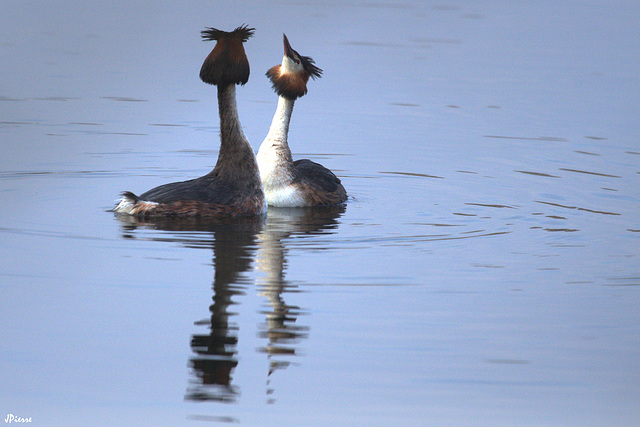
(485, 272)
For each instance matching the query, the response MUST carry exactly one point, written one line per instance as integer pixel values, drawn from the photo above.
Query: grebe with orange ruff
(233, 187)
(303, 182)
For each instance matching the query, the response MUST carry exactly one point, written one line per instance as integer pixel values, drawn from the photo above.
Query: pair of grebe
(240, 184)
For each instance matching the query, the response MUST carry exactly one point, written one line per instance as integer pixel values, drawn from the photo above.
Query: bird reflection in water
(215, 353)
(234, 243)
(280, 329)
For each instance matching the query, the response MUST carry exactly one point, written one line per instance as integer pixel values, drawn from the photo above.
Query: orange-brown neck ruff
(227, 63)
(289, 85)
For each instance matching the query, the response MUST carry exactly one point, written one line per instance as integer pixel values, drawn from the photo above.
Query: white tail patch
(131, 205)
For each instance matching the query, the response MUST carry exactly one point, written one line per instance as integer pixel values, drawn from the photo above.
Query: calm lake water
(486, 270)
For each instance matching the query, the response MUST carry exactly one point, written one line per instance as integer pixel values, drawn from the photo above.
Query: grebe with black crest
(233, 187)
(303, 182)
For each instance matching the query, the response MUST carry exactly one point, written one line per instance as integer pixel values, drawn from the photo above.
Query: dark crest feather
(227, 63)
(243, 32)
(310, 67)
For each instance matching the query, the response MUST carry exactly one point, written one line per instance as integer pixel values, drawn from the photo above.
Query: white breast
(288, 196)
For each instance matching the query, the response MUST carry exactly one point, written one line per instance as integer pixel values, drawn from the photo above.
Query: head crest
(293, 84)
(311, 68)
(307, 62)
(227, 63)
(243, 32)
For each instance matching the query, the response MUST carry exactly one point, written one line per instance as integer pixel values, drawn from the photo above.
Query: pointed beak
(288, 50)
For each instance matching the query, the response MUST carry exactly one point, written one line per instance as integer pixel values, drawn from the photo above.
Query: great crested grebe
(233, 187)
(303, 182)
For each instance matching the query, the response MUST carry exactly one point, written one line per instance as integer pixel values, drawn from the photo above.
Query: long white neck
(274, 152)
(279, 129)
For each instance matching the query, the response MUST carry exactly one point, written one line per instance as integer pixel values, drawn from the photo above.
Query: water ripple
(11, 175)
(577, 208)
(423, 175)
(590, 173)
(546, 175)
